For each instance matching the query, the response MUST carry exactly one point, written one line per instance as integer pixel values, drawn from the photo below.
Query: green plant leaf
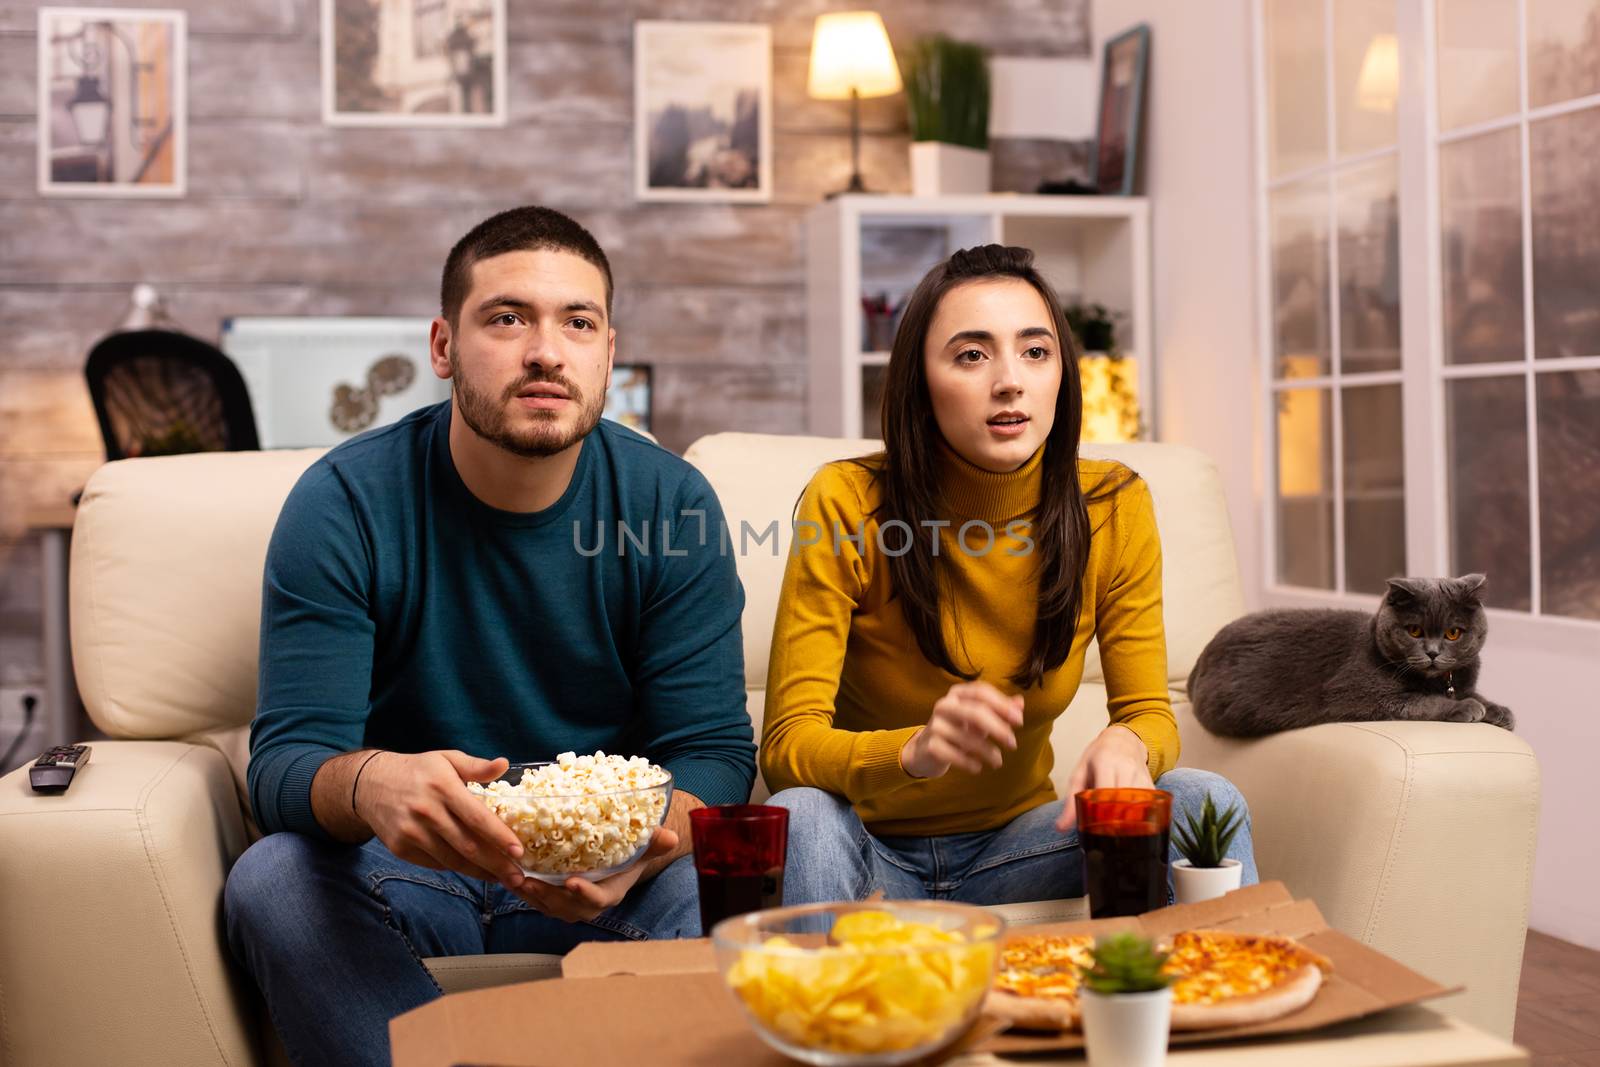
(1204, 839)
(947, 92)
(1126, 963)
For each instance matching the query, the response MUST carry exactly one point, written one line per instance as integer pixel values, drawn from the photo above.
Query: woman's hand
(970, 727)
(1117, 759)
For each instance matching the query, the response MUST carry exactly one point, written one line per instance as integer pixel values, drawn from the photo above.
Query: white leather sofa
(1416, 838)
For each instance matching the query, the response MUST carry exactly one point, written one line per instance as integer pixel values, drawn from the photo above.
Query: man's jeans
(335, 934)
(832, 856)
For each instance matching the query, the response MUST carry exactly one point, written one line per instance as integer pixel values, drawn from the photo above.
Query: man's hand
(579, 900)
(969, 727)
(419, 807)
(1116, 759)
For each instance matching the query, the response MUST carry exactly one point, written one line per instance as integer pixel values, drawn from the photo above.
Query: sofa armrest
(1415, 837)
(111, 940)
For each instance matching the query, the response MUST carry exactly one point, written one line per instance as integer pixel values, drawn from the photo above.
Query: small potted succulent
(1205, 872)
(1127, 1003)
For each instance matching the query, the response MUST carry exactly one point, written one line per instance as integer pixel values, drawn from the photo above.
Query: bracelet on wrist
(357, 782)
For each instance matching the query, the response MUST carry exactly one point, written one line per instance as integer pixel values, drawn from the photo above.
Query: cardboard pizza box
(664, 1002)
(1364, 981)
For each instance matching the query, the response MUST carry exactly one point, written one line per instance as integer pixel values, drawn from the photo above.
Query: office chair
(158, 393)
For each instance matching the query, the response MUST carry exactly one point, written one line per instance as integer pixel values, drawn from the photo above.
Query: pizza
(1220, 978)
(1036, 985)
(1230, 979)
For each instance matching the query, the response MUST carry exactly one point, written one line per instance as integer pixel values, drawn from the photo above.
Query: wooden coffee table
(1416, 1036)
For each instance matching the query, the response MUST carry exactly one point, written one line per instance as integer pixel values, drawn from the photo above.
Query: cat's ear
(1468, 587)
(1405, 590)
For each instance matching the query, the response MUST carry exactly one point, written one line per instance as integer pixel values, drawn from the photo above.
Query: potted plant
(947, 94)
(1095, 327)
(1204, 872)
(1127, 1003)
(1109, 379)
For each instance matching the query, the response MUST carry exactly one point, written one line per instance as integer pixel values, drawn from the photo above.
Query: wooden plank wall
(288, 217)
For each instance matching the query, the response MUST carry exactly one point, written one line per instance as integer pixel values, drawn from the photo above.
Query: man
(427, 613)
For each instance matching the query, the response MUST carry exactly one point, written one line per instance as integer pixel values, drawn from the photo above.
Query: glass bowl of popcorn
(881, 982)
(584, 816)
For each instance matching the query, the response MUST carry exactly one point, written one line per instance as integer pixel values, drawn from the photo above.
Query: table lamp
(851, 59)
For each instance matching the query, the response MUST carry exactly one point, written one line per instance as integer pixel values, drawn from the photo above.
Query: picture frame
(112, 102)
(315, 381)
(702, 95)
(630, 400)
(1123, 72)
(414, 62)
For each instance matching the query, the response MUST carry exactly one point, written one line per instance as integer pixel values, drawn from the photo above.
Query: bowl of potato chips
(881, 982)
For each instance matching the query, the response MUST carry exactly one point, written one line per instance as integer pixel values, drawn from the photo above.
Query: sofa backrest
(167, 559)
(759, 479)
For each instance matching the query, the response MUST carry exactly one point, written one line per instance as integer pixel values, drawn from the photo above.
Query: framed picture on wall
(1122, 76)
(414, 62)
(319, 380)
(702, 115)
(629, 399)
(112, 102)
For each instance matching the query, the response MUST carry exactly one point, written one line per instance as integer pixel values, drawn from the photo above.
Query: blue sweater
(401, 612)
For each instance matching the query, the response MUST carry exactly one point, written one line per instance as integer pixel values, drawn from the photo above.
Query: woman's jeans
(832, 856)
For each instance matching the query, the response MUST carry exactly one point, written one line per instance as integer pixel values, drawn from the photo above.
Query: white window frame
(1423, 375)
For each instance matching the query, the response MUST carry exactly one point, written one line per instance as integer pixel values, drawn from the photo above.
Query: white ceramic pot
(1194, 884)
(1126, 1029)
(939, 169)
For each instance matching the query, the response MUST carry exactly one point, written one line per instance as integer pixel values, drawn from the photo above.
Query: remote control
(53, 771)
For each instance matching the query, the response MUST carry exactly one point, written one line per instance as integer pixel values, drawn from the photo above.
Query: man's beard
(488, 418)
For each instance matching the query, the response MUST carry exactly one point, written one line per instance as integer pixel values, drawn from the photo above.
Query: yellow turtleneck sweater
(847, 685)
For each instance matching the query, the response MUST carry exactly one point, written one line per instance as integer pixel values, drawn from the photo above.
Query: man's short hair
(522, 229)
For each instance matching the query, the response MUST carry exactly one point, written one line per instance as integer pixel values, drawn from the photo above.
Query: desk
(64, 721)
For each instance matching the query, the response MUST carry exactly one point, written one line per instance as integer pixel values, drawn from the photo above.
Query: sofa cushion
(758, 479)
(167, 558)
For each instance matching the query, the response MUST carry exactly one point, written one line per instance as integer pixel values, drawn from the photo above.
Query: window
(1518, 147)
(1333, 230)
(1504, 372)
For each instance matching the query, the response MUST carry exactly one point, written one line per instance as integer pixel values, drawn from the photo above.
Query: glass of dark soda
(1124, 836)
(739, 851)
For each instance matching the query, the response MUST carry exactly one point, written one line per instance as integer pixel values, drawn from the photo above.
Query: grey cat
(1417, 658)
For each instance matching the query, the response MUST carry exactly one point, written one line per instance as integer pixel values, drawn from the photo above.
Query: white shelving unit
(1091, 249)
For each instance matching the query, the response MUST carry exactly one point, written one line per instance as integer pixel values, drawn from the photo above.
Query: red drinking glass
(739, 850)
(1124, 835)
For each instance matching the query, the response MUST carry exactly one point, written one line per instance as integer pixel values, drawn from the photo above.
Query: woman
(927, 640)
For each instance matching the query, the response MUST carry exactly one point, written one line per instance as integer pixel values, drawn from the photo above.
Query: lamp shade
(850, 51)
(1378, 88)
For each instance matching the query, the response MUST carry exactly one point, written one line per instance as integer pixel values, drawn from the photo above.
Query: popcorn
(580, 814)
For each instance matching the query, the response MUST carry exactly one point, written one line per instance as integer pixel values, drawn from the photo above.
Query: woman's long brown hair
(908, 473)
